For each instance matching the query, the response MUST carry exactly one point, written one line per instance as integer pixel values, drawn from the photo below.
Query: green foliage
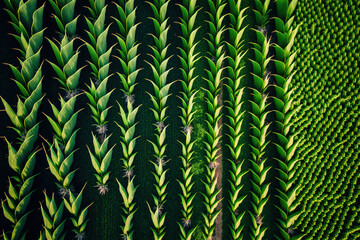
(128, 195)
(161, 87)
(53, 219)
(64, 121)
(64, 15)
(235, 114)
(62, 148)
(315, 100)
(97, 93)
(262, 12)
(79, 214)
(215, 59)
(326, 100)
(100, 160)
(158, 220)
(284, 115)
(127, 55)
(259, 113)
(26, 19)
(66, 67)
(188, 59)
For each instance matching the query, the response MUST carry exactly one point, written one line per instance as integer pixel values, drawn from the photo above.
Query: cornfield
(179, 119)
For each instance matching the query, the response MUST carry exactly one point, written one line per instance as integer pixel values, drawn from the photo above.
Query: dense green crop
(61, 156)
(27, 20)
(260, 126)
(214, 78)
(53, 219)
(326, 91)
(97, 91)
(284, 64)
(128, 57)
(188, 59)
(236, 114)
(161, 85)
(262, 136)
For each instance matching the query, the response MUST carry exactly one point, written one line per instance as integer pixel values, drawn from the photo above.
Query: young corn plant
(61, 151)
(285, 111)
(97, 93)
(262, 14)
(214, 80)
(78, 219)
(235, 114)
(53, 219)
(259, 112)
(188, 59)
(161, 93)
(63, 123)
(64, 16)
(127, 55)
(26, 18)
(129, 209)
(66, 69)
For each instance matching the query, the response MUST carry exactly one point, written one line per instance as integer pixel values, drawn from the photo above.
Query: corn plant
(283, 100)
(61, 155)
(64, 16)
(215, 59)
(235, 114)
(72, 203)
(127, 55)
(63, 123)
(129, 208)
(68, 73)
(161, 93)
(262, 13)
(26, 19)
(78, 219)
(61, 150)
(128, 142)
(259, 112)
(188, 59)
(53, 219)
(97, 93)
(64, 120)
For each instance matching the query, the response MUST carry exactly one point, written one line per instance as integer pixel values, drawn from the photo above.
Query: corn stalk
(128, 195)
(127, 57)
(97, 93)
(61, 157)
(62, 151)
(260, 187)
(261, 12)
(285, 111)
(235, 114)
(78, 219)
(26, 18)
(188, 60)
(52, 218)
(65, 118)
(215, 60)
(63, 123)
(161, 93)
(64, 16)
